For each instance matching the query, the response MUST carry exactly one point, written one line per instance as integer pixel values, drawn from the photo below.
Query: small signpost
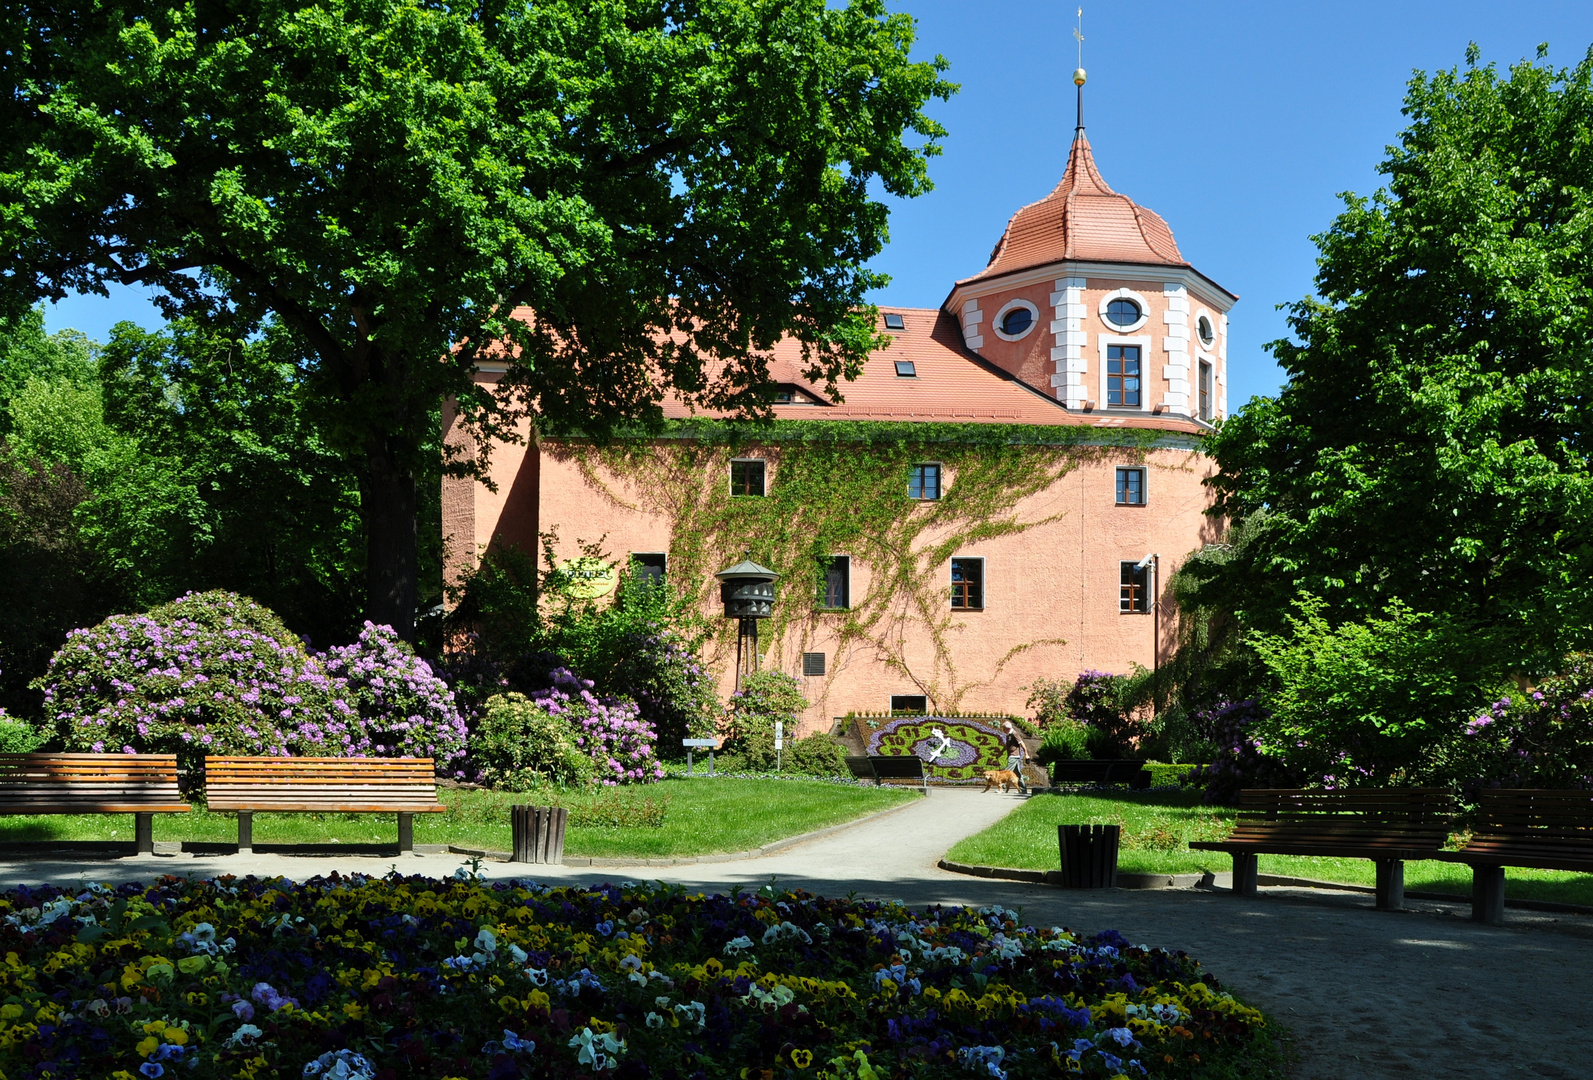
(689, 744)
(779, 743)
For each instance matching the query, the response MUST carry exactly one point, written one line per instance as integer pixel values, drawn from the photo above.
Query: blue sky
(1238, 122)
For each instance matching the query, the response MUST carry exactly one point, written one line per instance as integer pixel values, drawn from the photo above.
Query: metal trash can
(538, 833)
(1089, 856)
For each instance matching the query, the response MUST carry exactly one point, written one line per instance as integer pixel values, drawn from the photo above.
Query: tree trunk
(392, 557)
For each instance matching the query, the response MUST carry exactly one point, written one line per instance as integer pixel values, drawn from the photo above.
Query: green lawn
(700, 816)
(1158, 826)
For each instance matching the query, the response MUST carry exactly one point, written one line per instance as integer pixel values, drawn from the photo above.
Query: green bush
(17, 737)
(1063, 740)
(1048, 700)
(519, 745)
(816, 755)
(765, 697)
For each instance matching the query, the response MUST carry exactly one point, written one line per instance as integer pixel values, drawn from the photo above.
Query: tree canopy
(1431, 443)
(666, 188)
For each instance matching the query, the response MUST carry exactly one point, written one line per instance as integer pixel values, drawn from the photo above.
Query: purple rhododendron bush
(358, 978)
(610, 730)
(217, 673)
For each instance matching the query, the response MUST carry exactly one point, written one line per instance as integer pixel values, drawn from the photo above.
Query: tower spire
(1078, 73)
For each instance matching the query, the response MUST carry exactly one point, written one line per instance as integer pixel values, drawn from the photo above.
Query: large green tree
(664, 188)
(1431, 442)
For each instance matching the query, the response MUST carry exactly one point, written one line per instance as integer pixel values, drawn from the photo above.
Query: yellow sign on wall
(590, 577)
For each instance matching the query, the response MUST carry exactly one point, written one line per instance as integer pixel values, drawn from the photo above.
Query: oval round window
(1017, 321)
(1122, 312)
(1203, 327)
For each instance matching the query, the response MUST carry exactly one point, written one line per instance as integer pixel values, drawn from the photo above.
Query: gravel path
(1367, 994)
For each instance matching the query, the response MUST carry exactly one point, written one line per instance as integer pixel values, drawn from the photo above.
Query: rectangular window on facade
(923, 482)
(967, 584)
(1134, 595)
(1205, 391)
(837, 591)
(912, 704)
(812, 663)
(650, 565)
(1130, 487)
(746, 478)
(1122, 376)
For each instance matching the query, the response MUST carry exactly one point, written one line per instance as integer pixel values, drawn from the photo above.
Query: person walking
(1016, 752)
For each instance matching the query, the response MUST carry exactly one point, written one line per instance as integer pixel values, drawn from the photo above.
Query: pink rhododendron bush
(216, 673)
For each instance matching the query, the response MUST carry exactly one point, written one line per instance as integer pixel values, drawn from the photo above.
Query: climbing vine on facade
(842, 488)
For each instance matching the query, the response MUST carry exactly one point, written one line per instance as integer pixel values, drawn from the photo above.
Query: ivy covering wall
(842, 488)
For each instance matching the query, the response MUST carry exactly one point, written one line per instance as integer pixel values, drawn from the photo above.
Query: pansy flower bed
(358, 978)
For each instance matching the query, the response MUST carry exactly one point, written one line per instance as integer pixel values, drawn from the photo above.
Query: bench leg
(1487, 894)
(1390, 885)
(406, 833)
(245, 832)
(144, 833)
(1244, 874)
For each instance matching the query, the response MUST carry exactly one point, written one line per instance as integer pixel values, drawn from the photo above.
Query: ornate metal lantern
(747, 590)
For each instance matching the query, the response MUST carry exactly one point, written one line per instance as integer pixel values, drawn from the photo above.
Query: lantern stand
(747, 590)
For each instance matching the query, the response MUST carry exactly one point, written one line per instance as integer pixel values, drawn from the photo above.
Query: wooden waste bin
(538, 833)
(1089, 856)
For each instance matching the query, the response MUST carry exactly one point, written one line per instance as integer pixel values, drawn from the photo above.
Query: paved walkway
(1368, 994)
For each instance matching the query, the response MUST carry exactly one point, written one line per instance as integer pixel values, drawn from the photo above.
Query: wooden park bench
(892, 767)
(1529, 828)
(405, 786)
(1107, 771)
(139, 784)
(1388, 826)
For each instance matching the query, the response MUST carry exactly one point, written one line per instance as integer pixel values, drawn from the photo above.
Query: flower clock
(356, 978)
(953, 749)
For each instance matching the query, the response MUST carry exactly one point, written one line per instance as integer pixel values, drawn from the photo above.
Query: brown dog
(1001, 777)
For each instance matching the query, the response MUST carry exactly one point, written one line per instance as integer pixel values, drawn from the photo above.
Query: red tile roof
(950, 384)
(1082, 219)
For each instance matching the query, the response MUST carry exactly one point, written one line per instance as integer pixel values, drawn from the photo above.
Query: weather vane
(1078, 74)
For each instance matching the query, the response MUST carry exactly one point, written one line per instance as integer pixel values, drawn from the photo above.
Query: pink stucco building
(1088, 327)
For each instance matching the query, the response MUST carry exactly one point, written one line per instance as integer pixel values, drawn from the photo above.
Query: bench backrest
(318, 783)
(1558, 817)
(1412, 816)
(860, 767)
(898, 767)
(87, 780)
(1105, 770)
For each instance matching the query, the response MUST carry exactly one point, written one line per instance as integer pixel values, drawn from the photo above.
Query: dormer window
(1122, 312)
(894, 321)
(1016, 322)
(906, 370)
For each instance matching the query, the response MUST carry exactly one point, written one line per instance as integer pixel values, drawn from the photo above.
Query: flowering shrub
(209, 673)
(1095, 701)
(217, 673)
(404, 709)
(1239, 762)
(519, 744)
(1539, 738)
(351, 977)
(766, 698)
(609, 730)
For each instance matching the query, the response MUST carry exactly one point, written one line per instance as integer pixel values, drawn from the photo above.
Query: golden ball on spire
(1078, 77)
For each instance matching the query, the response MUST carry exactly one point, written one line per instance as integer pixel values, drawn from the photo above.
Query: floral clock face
(951, 749)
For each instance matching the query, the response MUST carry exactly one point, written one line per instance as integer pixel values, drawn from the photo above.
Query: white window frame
(941, 480)
(1149, 585)
(1144, 485)
(1123, 294)
(1205, 363)
(1013, 305)
(1144, 343)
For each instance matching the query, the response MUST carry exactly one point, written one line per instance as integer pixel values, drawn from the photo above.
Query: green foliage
(391, 181)
(817, 754)
(17, 737)
(1064, 740)
(1364, 702)
(842, 488)
(1048, 701)
(1528, 737)
(28, 353)
(518, 745)
(765, 698)
(1431, 442)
